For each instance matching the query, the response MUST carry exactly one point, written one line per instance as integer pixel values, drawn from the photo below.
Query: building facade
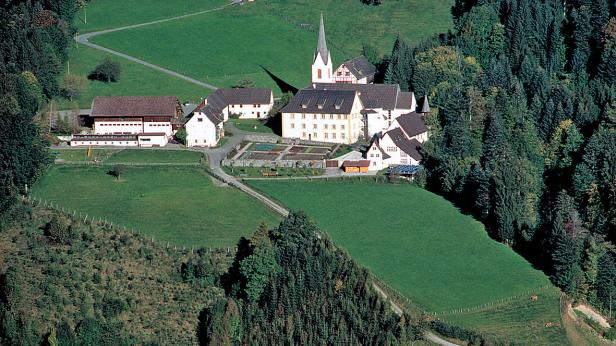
(323, 116)
(355, 71)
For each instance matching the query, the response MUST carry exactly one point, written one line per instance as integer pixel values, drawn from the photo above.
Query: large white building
(383, 103)
(325, 116)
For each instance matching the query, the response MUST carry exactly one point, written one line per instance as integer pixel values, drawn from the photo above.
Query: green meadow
(179, 205)
(416, 241)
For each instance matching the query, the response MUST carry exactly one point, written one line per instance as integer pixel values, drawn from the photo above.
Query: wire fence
(401, 299)
(109, 225)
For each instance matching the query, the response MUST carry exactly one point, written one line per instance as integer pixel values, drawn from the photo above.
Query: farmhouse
(323, 115)
(246, 103)
(355, 71)
(132, 121)
(204, 127)
(400, 144)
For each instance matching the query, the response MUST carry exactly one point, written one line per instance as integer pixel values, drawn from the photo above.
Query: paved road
(84, 39)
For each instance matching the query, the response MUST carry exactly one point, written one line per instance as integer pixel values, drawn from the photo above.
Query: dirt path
(85, 40)
(593, 315)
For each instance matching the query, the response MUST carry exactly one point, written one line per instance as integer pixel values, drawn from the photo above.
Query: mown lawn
(106, 14)
(135, 80)
(82, 154)
(414, 240)
(156, 156)
(251, 125)
(224, 47)
(179, 205)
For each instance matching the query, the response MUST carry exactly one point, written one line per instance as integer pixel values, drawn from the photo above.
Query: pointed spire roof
(322, 44)
(425, 107)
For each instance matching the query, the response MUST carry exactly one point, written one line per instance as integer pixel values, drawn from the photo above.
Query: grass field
(81, 154)
(414, 240)
(252, 41)
(251, 125)
(180, 205)
(521, 321)
(156, 156)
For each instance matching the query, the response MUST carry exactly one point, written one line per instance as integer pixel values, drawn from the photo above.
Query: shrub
(59, 230)
(112, 307)
(107, 71)
(73, 86)
(180, 135)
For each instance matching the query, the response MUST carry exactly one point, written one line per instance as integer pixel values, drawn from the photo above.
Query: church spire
(322, 44)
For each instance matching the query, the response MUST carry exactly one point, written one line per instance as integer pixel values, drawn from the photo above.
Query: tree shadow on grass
(284, 86)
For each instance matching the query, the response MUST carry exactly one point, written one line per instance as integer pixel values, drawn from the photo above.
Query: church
(345, 105)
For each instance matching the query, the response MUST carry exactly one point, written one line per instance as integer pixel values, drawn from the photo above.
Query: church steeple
(322, 69)
(322, 44)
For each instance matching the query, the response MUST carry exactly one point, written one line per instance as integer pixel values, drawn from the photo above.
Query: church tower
(322, 67)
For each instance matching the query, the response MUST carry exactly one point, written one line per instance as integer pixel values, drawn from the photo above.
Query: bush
(107, 71)
(180, 135)
(73, 86)
(59, 230)
(112, 307)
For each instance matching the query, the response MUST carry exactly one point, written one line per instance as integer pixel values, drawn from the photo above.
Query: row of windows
(323, 116)
(122, 124)
(241, 106)
(314, 126)
(347, 73)
(375, 155)
(315, 135)
(162, 125)
(104, 143)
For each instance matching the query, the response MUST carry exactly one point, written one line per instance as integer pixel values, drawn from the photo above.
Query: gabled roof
(383, 96)
(412, 124)
(377, 144)
(134, 106)
(322, 44)
(360, 67)
(406, 99)
(321, 102)
(245, 96)
(410, 147)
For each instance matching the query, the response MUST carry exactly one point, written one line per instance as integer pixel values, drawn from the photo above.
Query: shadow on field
(284, 86)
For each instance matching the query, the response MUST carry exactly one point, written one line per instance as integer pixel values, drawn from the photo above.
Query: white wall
(118, 127)
(152, 141)
(326, 70)
(249, 111)
(129, 143)
(201, 132)
(158, 127)
(333, 128)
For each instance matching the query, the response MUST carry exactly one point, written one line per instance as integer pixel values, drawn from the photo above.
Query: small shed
(356, 166)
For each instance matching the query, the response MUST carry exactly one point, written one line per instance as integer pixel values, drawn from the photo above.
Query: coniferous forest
(524, 138)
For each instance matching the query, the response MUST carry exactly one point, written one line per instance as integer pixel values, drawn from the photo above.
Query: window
(325, 126)
(292, 126)
(338, 116)
(319, 76)
(314, 135)
(333, 126)
(314, 127)
(339, 73)
(342, 127)
(333, 136)
(326, 136)
(378, 155)
(346, 116)
(371, 155)
(403, 154)
(347, 73)
(200, 120)
(292, 116)
(303, 126)
(331, 117)
(374, 163)
(342, 135)
(196, 141)
(390, 149)
(240, 106)
(322, 116)
(303, 134)
(303, 116)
